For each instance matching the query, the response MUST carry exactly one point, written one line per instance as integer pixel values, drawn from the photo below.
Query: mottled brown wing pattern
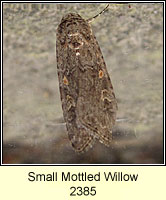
(88, 101)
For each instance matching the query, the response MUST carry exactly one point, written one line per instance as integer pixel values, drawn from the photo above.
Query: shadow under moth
(88, 100)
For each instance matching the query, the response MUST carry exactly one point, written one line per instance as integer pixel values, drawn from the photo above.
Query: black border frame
(117, 2)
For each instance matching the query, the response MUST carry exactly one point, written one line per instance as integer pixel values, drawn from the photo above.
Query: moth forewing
(88, 101)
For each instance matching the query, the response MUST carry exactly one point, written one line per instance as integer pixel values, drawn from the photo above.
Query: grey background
(131, 40)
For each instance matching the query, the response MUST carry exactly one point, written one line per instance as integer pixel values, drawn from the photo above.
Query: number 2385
(86, 191)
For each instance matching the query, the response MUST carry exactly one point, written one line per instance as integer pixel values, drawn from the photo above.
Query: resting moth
(88, 100)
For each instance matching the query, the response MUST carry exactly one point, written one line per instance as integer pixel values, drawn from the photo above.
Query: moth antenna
(91, 19)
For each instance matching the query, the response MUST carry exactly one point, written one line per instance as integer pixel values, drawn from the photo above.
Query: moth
(88, 100)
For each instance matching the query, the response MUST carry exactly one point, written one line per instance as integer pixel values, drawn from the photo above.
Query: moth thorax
(75, 40)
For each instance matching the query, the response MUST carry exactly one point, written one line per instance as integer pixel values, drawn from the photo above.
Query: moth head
(74, 30)
(70, 17)
(70, 22)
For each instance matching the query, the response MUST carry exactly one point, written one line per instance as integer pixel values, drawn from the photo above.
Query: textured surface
(131, 40)
(87, 96)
